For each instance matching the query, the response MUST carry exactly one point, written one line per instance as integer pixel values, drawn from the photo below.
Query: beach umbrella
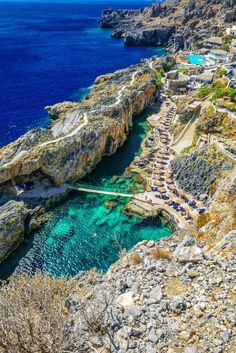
(181, 200)
(158, 177)
(162, 167)
(162, 190)
(159, 174)
(169, 174)
(169, 181)
(159, 160)
(171, 187)
(178, 199)
(159, 183)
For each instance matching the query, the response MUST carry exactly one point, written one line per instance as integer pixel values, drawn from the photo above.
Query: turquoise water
(196, 59)
(90, 230)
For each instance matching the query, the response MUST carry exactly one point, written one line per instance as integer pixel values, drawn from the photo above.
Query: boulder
(188, 251)
(125, 299)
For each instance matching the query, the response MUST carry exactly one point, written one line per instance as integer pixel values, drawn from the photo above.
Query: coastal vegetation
(227, 39)
(34, 317)
(218, 90)
(159, 76)
(221, 72)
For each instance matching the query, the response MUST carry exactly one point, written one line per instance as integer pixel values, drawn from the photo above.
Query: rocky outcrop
(13, 216)
(176, 24)
(82, 132)
(170, 297)
(148, 37)
(220, 218)
(111, 18)
(198, 171)
(221, 124)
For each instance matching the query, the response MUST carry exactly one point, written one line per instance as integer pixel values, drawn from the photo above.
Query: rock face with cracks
(13, 218)
(177, 24)
(177, 298)
(82, 132)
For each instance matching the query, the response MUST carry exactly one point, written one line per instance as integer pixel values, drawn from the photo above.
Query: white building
(231, 31)
(219, 55)
(213, 42)
(233, 47)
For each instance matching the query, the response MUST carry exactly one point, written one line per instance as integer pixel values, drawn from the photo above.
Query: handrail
(96, 187)
(224, 151)
(185, 129)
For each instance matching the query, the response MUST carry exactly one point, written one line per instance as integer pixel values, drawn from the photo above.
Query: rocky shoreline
(176, 295)
(177, 25)
(80, 135)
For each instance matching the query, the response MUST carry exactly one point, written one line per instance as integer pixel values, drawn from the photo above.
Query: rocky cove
(101, 271)
(100, 133)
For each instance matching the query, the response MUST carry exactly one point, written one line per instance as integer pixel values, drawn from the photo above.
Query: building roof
(232, 27)
(203, 50)
(214, 40)
(206, 76)
(219, 52)
(233, 43)
(194, 104)
(183, 77)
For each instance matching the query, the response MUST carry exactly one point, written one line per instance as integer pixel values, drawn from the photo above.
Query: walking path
(186, 137)
(103, 192)
(85, 122)
(164, 193)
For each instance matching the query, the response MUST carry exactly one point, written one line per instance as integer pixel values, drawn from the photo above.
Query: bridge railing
(100, 188)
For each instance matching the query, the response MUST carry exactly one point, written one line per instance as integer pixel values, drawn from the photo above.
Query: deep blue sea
(51, 52)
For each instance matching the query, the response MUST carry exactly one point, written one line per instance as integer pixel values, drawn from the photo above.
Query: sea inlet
(90, 230)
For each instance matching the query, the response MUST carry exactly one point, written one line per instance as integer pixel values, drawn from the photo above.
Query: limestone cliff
(13, 217)
(177, 24)
(82, 132)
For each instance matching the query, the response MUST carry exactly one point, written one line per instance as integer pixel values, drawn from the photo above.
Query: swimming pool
(196, 59)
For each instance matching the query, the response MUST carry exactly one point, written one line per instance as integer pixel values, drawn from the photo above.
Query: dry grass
(33, 315)
(135, 259)
(174, 286)
(37, 315)
(202, 220)
(161, 253)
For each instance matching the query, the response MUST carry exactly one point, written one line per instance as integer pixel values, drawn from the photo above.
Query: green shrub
(224, 92)
(159, 76)
(231, 107)
(204, 91)
(181, 70)
(225, 47)
(168, 64)
(228, 38)
(221, 72)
